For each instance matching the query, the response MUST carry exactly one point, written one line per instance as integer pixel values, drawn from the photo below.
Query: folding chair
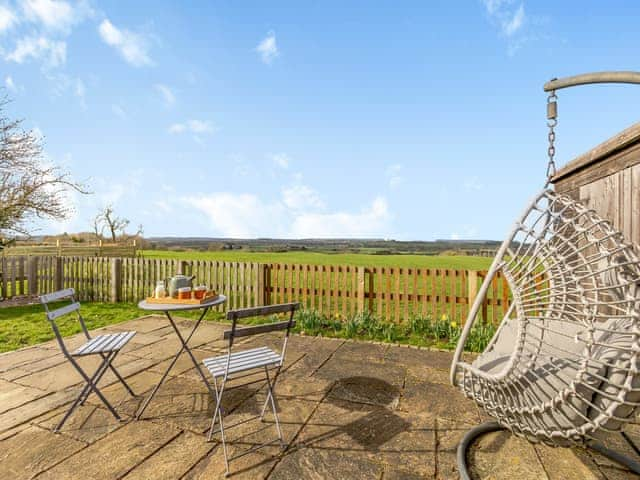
(107, 346)
(225, 367)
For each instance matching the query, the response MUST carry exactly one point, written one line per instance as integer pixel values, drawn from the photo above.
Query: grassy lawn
(27, 325)
(313, 258)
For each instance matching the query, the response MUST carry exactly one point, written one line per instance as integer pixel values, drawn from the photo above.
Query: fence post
(370, 289)
(4, 279)
(116, 280)
(360, 293)
(472, 287)
(260, 286)
(58, 274)
(32, 275)
(182, 267)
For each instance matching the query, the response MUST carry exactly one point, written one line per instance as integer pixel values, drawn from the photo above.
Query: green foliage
(422, 331)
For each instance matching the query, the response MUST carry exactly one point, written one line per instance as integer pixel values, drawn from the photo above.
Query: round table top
(172, 307)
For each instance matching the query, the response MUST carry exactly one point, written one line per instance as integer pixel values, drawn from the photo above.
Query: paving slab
(114, 456)
(34, 450)
(13, 395)
(347, 409)
(500, 455)
(173, 460)
(88, 423)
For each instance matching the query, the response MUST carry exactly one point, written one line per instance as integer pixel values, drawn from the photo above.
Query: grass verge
(27, 325)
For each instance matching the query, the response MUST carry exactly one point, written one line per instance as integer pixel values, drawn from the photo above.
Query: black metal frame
(487, 427)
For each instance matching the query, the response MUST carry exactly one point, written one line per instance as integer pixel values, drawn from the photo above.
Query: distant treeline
(369, 246)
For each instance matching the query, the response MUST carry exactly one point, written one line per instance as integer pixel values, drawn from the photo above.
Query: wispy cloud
(166, 93)
(192, 126)
(394, 174)
(56, 15)
(281, 160)
(7, 18)
(510, 18)
(268, 48)
(53, 53)
(118, 111)
(133, 47)
(10, 84)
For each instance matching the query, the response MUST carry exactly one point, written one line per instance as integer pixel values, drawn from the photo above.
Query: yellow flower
(443, 317)
(454, 324)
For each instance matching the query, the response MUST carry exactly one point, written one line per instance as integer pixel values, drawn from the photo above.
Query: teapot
(178, 281)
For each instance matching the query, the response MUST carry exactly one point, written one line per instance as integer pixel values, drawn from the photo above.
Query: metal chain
(552, 121)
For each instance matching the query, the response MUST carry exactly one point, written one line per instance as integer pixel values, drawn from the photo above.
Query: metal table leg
(186, 348)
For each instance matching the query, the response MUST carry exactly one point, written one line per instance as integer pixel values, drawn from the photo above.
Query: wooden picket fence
(390, 293)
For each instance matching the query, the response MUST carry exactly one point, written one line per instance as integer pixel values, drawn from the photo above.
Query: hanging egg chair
(563, 366)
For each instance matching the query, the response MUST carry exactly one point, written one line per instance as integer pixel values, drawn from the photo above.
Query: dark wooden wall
(607, 179)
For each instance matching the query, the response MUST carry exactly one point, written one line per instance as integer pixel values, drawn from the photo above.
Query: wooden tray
(187, 301)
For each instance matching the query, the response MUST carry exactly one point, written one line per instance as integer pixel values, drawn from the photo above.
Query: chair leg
(217, 415)
(95, 379)
(119, 377)
(90, 385)
(273, 407)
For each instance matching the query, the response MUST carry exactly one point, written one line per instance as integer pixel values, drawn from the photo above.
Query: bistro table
(167, 308)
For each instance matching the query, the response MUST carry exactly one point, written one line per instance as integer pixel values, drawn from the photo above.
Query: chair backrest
(235, 315)
(53, 315)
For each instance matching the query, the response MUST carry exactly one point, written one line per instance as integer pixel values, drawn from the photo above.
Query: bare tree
(113, 223)
(98, 226)
(30, 189)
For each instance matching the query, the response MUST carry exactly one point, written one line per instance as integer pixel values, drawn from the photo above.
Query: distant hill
(337, 245)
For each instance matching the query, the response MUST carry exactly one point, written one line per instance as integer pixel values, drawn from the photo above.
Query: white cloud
(512, 26)
(10, 84)
(241, 215)
(473, 183)
(118, 111)
(133, 47)
(52, 52)
(166, 93)
(298, 214)
(370, 221)
(509, 18)
(468, 232)
(55, 15)
(394, 174)
(268, 49)
(301, 198)
(280, 159)
(7, 18)
(192, 126)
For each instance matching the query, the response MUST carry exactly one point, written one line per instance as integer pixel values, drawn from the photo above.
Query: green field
(313, 258)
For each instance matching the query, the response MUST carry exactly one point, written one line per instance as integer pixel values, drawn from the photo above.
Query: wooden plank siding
(607, 180)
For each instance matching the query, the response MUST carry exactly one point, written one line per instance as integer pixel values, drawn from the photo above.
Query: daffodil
(454, 324)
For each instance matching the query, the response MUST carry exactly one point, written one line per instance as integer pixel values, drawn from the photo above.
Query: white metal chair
(106, 346)
(226, 367)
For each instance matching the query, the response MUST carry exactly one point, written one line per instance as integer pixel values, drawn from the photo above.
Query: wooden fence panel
(394, 294)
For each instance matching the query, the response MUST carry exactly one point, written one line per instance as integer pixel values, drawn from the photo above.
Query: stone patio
(349, 410)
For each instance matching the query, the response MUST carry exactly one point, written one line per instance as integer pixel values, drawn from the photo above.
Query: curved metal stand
(475, 432)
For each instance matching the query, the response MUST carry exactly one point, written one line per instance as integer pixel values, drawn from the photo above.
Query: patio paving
(349, 410)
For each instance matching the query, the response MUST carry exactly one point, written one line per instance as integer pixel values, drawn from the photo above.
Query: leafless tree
(98, 226)
(30, 188)
(113, 223)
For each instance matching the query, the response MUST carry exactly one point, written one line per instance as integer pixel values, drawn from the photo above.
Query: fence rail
(72, 250)
(391, 293)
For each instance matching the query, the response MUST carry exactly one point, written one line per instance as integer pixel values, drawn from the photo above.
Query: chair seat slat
(104, 343)
(241, 361)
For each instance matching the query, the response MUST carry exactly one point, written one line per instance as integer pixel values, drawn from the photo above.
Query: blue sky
(405, 120)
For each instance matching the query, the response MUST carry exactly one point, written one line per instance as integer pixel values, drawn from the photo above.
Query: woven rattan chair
(563, 366)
